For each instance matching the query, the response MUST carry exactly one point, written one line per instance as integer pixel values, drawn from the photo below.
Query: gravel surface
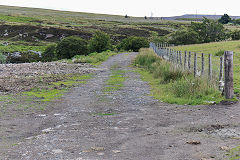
(90, 124)
(21, 77)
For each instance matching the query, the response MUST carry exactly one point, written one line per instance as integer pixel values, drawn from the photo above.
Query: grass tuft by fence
(201, 65)
(172, 84)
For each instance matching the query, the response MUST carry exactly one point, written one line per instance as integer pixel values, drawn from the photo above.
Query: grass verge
(217, 49)
(171, 85)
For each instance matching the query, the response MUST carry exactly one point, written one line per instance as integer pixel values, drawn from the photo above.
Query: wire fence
(200, 64)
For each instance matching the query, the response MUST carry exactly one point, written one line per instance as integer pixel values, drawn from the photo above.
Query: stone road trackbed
(93, 124)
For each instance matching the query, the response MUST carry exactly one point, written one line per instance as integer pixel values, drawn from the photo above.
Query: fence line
(213, 69)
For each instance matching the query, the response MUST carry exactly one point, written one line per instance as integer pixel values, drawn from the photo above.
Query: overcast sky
(141, 8)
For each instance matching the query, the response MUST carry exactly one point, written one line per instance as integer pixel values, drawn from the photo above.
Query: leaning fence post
(189, 61)
(202, 72)
(195, 64)
(210, 66)
(228, 74)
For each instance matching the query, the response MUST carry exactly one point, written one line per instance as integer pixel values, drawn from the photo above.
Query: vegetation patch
(56, 89)
(19, 19)
(234, 153)
(93, 58)
(217, 49)
(172, 85)
(115, 81)
(104, 114)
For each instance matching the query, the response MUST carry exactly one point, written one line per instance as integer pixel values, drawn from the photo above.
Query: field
(213, 48)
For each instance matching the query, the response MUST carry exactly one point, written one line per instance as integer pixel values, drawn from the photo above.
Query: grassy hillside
(41, 26)
(213, 48)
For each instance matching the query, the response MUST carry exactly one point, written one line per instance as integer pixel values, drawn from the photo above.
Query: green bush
(184, 36)
(71, 46)
(49, 54)
(235, 35)
(24, 57)
(100, 42)
(2, 59)
(133, 43)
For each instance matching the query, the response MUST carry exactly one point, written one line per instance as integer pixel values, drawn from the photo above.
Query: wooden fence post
(195, 64)
(177, 57)
(210, 66)
(221, 74)
(180, 58)
(228, 74)
(203, 63)
(185, 59)
(189, 61)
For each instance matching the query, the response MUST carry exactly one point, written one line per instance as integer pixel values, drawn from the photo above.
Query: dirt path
(91, 124)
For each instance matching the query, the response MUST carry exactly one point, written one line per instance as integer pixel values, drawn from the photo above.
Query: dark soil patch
(35, 33)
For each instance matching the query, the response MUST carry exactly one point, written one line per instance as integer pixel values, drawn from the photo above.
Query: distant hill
(194, 16)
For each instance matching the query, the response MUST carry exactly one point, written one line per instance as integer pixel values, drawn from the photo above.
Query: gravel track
(135, 126)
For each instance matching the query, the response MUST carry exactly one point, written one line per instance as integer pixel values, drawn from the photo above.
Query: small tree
(71, 46)
(100, 42)
(225, 19)
(209, 31)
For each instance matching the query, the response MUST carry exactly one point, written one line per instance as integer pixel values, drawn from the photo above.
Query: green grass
(173, 86)
(104, 114)
(234, 153)
(93, 58)
(163, 92)
(55, 89)
(45, 95)
(216, 48)
(115, 81)
(20, 48)
(19, 19)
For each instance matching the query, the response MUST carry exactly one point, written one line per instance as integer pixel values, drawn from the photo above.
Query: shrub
(235, 35)
(184, 36)
(24, 57)
(100, 42)
(2, 59)
(49, 54)
(133, 43)
(71, 46)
